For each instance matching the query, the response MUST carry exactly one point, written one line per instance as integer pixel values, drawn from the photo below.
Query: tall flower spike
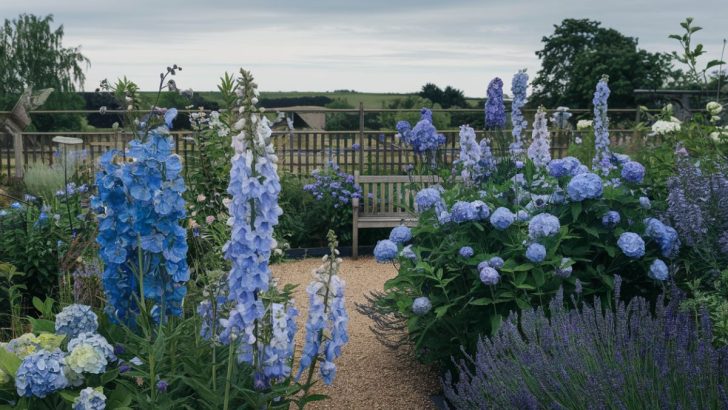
(495, 110)
(254, 211)
(603, 158)
(326, 327)
(519, 87)
(539, 151)
(469, 154)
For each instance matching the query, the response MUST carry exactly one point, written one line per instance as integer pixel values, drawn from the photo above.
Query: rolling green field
(370, 100)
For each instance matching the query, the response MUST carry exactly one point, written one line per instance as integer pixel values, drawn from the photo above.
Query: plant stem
(228, 377)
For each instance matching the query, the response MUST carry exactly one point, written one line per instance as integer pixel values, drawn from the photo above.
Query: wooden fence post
(361, 137)
(637, 115)
(18, 151)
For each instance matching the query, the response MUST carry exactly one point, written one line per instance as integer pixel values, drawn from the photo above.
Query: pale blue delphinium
(540, 150)
(519, 88)
(603, 159)
(495, 110)
(469, 154)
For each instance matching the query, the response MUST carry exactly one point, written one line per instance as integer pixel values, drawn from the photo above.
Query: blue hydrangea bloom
(502, 218)
(95, 340)
(645, 202)
(489, 276)
(536, 253)
(665, 236)
(633, 172)
(561, 167)
(421, 306)
(585, 186)
(463, 212)
(522, 216)
(400, 234)
(611, 219)
(495, 110)
(658, 270)
(41, 374)
(89, 399)
(76, 319)
(496, 262)
(632, 245)
(481, 208)
(385, 251)
(543, 225)
(466, 252)
(408, 253)
(427, 198)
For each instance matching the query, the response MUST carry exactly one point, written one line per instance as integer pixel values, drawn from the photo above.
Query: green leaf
(522, 268)
(69, 396)
(9, 362)
(314, 397)
(522, 304)
(481, 302)
(440, 311)
(42, 325)
(539, 277)
(38, 304)
(575, 210)
(525, 286)
(495, 323)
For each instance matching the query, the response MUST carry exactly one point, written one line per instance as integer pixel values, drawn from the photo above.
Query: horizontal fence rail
(301, 151)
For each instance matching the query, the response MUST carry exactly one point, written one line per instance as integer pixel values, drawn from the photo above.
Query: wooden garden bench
(386, 201)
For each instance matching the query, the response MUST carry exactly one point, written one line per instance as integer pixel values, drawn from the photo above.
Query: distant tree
(576, 55)
(448, 98)
(388, 120)
(32, 55)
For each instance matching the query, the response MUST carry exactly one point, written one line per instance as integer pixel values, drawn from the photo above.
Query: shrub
(590, 357)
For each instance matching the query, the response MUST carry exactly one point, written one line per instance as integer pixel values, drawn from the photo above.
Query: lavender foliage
(595, 358)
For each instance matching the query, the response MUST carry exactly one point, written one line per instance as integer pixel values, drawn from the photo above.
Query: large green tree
(576, 55)
(32, 55)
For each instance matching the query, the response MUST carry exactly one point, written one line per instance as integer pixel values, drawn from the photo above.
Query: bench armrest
(355, 203)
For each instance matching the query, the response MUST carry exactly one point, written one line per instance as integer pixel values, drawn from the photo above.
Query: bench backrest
(391, 195)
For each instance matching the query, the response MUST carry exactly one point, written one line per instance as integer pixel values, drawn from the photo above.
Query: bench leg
(355, 241)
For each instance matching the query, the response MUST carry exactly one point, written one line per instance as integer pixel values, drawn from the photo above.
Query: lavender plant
(594, 357)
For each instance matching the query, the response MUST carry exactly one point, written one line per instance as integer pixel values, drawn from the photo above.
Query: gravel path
(369, 375)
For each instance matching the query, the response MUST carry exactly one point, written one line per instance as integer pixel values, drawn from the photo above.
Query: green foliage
(44, 180)
(689, 55)
(11, 295)
(388, 120)
(579, 51)
(448, 98)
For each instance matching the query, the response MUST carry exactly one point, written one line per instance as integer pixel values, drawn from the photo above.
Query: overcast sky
(366, 45)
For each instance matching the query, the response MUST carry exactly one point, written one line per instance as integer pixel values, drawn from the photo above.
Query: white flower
(584, 124)
(720, 132)
(662, 127)
(714, 108)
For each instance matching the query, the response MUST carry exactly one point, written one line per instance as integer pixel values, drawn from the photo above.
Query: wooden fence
(300, 151)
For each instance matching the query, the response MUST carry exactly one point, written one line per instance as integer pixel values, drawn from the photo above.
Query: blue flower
(408, 253)
(421, 306)
(495, 110)
(76, 319)
(463, 212)
(424, 136)
(16, 205)
(95, 340)
(567, 166)
(502, 218)
(665, 236)
(466, 252)
(385, 251)
(658, 270)
(602, 160)
(611, 219)
(543, 225)
(496, 262)
(632, 245)
(355, 147)
(41, 374)
(89, 399)
(522, 216)
(536, 253)
(489, 276)
(645, 202)
(519, 87)
(540, 151)
(427, 198)
(169, 117)
(481, 208)
(585, 186)
(400, 234)
(633, 172)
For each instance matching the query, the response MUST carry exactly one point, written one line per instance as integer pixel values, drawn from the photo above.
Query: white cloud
(369, 46)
